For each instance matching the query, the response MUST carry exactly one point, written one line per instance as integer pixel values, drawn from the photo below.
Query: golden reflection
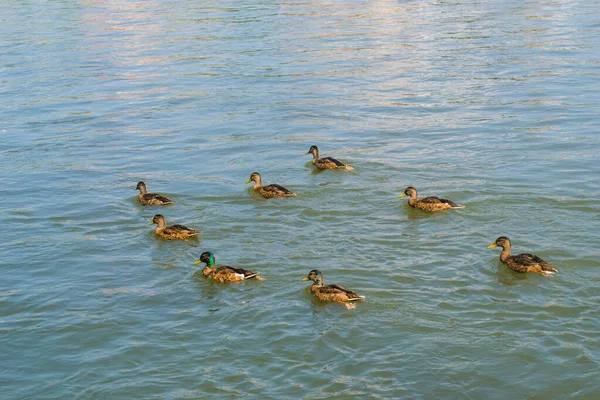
(126, 38)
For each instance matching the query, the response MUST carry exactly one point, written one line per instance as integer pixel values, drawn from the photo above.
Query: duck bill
(151, 223)
(197, 261)
(491, 246)
(402, 195)
(249, 180)
(305, 279)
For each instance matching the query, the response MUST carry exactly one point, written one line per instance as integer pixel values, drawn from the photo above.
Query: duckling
(269, 191)
(334, 293)
(172, 232)
(428, 203)
(150, 199)
(224, 273)
(522, 262)
(326, 162)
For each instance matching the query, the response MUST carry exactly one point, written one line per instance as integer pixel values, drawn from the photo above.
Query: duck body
(224, 273)
(522, 262)
(176, 231)
(326, 162)
(150, 199)
(431, 203)
(334, 293)
(269, 191)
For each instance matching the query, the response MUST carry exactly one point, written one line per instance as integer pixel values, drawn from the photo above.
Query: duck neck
(319, 282)
(143, 189)
(208, 270)
(257, 183)
(162, 224)
(315, 154)
(413, 199)
(211, 261)
(505, 253)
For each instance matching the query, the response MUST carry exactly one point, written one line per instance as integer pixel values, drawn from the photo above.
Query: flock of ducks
(520, 263)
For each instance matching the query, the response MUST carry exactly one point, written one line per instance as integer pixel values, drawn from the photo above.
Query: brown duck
(224, 273)
(334, 293)
(150, 199)
(172, 232)
(522, 262)
(326, 162)
(428, 203)
(269, 191)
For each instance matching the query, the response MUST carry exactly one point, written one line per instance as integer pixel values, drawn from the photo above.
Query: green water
(493, 105)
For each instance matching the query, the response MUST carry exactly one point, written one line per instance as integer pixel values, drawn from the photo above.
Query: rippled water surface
(493, 104)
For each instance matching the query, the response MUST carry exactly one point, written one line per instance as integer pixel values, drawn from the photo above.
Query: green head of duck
(207, 257)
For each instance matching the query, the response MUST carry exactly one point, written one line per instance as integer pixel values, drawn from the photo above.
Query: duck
(334, 293)
(522, 262)
(224, 273)
(172, 232)
(269, 191)
(326, 162)
(150, 199)
(428, 203)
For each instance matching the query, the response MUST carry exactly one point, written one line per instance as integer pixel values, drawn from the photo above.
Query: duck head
(254, 177)
(502, 241)
(141, 186)
(207, 257)
(316, 276)
(410, 192)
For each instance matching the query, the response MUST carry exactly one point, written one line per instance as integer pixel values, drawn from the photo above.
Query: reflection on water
(493, 105)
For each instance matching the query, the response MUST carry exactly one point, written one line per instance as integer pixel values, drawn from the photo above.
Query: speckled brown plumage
(181, 232)
(269, 191)
(522, 262)
(326, 162)
(224, 273)
(334, 293)
(150, 199)
(428, 203)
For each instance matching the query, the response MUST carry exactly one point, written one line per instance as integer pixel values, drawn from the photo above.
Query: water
(493, 104)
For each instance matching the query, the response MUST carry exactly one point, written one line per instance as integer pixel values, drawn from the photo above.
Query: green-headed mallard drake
(428, 203)
(224, 273)
(269, 191)
(150, 199)
(522, 262)
(172, 232)
(334, 293)
(326, 162)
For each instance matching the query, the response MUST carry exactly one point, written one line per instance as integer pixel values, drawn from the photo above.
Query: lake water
(493, 104)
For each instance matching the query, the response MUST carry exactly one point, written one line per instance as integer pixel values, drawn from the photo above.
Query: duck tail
(549, 271)
(456, 206)
(357, 298)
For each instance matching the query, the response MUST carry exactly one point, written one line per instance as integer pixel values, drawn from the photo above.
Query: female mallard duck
(522, 262)
(150, 199)
(269, 191)
(326, 162)
(224, 273)
(334, 293)
(172, 232)
(428, 203)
